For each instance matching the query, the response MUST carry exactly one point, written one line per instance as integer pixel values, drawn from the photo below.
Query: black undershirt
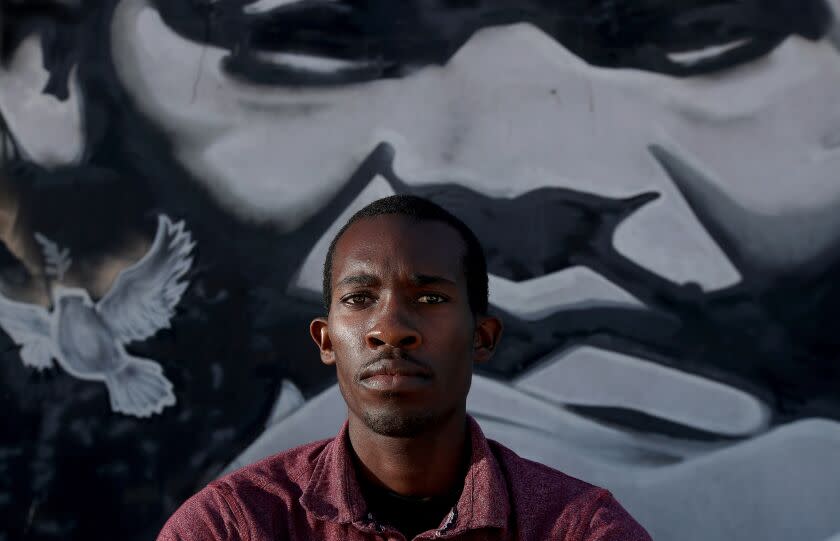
(409, 515)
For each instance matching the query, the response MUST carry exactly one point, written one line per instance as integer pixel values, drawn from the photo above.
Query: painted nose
(393, 328)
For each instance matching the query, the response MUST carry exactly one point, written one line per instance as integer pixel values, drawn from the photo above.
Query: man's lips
(394, 375)
(394, 367)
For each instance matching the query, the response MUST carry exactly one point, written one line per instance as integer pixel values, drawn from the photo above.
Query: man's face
(400, 329)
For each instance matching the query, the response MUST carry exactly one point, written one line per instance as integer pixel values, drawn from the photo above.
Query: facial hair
(396, 424)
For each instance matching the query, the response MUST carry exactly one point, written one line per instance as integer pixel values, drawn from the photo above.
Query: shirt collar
(333, 493)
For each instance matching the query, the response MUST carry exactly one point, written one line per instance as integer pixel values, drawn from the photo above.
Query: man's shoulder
(525, 474)
(560, 502)
(247, 500)
(289, 470)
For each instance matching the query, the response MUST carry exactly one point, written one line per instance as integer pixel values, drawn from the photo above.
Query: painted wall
(656, 183)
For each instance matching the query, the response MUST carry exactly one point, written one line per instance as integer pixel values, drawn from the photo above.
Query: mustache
(396, 356)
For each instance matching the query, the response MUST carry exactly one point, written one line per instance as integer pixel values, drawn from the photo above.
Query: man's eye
(356, 299)
(431, 298)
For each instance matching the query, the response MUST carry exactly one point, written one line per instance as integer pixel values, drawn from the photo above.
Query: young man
(405, 286)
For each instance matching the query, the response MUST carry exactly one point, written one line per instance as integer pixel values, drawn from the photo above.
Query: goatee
(399, 425)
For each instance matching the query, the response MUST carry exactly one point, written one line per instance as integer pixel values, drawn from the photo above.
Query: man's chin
(400, 424)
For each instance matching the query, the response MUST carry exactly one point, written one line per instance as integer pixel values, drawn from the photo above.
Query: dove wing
(28, 325)
(143, 297)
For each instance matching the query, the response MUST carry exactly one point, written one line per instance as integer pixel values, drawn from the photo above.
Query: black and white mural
(656, 184)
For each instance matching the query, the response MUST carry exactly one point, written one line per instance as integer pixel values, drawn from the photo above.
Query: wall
(655, 183)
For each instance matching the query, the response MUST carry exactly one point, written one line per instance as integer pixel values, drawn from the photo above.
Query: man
(405, 287)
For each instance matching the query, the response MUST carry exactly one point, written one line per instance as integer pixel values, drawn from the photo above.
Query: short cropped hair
(422, 210)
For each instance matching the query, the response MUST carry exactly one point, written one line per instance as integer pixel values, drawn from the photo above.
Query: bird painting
(87, 338)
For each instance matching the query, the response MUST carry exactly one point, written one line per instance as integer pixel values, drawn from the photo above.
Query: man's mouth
(395, 375)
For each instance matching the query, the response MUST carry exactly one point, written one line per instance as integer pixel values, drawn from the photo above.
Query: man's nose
(393, 327)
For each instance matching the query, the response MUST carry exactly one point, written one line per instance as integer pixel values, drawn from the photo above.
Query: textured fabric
(311, 493)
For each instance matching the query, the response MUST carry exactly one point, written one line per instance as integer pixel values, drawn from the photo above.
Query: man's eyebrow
(428, 279)
(358, 280)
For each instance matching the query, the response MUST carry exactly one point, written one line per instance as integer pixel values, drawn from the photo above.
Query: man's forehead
(390, 244)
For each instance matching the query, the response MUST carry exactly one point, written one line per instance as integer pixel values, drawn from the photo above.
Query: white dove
(87, 339)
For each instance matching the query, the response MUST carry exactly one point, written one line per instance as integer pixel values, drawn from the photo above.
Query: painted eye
(431, 298)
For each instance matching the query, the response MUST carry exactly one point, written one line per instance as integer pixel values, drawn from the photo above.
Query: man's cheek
(347, 332)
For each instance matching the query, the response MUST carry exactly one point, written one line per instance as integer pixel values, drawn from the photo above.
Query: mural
(655, 184)
(87, 339)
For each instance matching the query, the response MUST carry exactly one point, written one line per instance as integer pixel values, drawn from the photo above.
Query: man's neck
(431, 464)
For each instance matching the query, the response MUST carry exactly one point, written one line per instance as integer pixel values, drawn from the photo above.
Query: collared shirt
(311, 493)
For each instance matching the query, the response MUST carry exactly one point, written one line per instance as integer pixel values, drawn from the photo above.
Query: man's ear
(488, 332)
(321, 335)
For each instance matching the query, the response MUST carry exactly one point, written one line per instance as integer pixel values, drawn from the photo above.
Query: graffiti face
(483, 116)
(400, 330)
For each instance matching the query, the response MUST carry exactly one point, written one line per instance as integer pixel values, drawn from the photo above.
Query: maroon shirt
(311, 493)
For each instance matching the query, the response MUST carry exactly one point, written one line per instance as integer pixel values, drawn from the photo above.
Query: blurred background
(656, 185)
